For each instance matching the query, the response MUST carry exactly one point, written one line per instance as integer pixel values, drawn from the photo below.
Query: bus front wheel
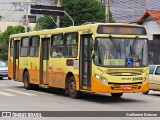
(116, 94)
(146, 93)
(72, 88)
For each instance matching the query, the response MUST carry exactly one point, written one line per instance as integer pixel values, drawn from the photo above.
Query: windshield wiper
(118, 49)
(132, 47)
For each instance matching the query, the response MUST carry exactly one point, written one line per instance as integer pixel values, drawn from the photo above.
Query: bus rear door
(44, 60)
(15, 65)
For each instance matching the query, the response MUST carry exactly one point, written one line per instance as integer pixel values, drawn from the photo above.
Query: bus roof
(70, 29)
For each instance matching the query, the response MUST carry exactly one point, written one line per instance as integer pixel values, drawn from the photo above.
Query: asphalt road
(13, 97)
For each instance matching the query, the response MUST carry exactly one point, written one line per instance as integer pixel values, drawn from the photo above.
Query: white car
(154, 76)
(3, 70)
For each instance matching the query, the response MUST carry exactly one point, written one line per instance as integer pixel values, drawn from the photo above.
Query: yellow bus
(95, 58)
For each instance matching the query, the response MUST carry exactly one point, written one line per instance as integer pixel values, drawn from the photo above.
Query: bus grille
(126, 72)
(119, 87)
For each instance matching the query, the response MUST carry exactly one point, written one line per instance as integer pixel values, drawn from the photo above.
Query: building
(43, 2)
(131, 10)
(123, 10)
(127, 10)
(4, 25)
(151, 20)
(15, 12)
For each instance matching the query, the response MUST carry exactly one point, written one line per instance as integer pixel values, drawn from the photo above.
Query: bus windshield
(131, 52)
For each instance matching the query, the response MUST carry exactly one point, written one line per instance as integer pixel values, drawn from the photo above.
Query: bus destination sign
(122, 30)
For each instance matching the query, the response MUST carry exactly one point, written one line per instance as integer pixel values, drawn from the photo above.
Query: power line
(7, 13)
(12, 13)
(26, 7)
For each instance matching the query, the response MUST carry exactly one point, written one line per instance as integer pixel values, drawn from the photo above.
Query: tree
(11, 30)
(111, 20)
(3, 51)
(4, 39)
(45, 22)
(81, 11)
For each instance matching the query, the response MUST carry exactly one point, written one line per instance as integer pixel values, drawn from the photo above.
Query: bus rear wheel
(73, 93)
(27, 85)
(116, 95)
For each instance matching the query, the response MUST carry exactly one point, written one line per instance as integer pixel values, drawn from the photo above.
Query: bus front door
(16, 60)
(44, 60)
(85, 62)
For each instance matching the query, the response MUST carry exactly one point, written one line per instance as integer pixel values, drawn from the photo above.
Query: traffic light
(47, 10)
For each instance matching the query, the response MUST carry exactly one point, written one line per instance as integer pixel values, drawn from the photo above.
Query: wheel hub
(72, 86)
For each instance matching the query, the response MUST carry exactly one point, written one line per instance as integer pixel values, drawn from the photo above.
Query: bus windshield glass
(121, 52)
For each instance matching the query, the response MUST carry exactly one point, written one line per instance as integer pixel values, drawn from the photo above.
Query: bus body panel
(10, 66)
(55, 71)
(100, 87)
(33, 68)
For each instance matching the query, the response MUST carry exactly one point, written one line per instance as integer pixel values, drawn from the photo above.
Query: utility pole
(58, 4)
(107, 11)
(26, 19)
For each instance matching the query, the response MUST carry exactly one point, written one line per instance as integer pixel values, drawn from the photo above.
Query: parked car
(154, 76)
(3, 69)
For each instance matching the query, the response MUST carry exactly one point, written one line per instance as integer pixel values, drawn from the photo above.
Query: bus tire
(27, 85)
(146, 93)
(116, 95)
(73, 93)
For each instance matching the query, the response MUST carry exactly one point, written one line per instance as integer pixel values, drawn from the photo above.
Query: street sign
(47, 7)
(47, 10)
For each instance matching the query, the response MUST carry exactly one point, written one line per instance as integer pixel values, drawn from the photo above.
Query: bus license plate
(126, 88)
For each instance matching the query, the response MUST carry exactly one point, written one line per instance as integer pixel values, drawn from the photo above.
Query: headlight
(97, 76)
(104, 80)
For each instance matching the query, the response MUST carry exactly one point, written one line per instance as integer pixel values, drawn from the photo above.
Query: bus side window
(11, 47)
(34, 46)
(24, 47)
(56, 45)
(71, 45)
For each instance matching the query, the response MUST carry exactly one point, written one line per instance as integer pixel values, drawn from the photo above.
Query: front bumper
(98, 86)
(3, 74)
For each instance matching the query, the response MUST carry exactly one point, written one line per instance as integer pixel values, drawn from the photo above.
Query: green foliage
(4, 39)
(3, 51)
(81, 11)
(111, 20)
(45, 22)
(11, 30)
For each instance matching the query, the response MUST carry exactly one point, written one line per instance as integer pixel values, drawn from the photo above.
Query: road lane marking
(6, 94)
(20, 92)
